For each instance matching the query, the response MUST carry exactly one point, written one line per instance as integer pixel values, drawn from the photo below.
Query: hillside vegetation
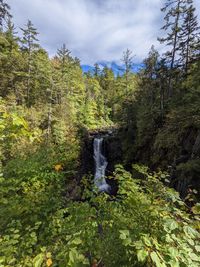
(49, 217)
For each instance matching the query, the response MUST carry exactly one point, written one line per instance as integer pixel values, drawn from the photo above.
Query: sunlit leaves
(38, 260)
(144, 224)
(142, 255)
(196, 209)
(49, 262)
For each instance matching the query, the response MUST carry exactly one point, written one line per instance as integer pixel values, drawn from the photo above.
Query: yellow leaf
(58, 167)
(94, 264)
(49, 262)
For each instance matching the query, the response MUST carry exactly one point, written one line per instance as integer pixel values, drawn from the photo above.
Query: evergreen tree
(174, 10)
(127, 60)
(64, 57)
(107, 82)
(29, 40)
(4, 13)
(189, 36)
(162, 75)
(41, 77)
(150, 73)
(96, 70)
(9, 60)
(64, 63)
(29, 45)
(151, 63)
(11, 35)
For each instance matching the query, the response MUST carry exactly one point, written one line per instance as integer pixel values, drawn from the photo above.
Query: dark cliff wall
(86, 157)
(181, 158)
(177, 152)
(186, 166)
(113, 152)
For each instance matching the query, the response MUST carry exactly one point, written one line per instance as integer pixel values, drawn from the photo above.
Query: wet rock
(186, 167)
(113, 152)
(188, 140)
(196, 146)
(86, 157)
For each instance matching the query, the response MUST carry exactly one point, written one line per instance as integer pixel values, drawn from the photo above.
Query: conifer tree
(9, 59)
(162, 74)
(4, 13)
(150, 73)
(96, 70)
(127, 59)
(29, 40)
(107, 83)
(174, 10)
(64, 59)
(11, 35)
(29, 45)
(189, 36)
(151, 63)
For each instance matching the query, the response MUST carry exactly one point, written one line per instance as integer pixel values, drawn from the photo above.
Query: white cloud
(94, 30)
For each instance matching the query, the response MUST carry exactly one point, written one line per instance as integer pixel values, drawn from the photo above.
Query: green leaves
(76, 241)
(190, 232)
(170, 225)
(125, 236)
(156, 259)
(76, 259)
(142, 255)
(38, 260)
(141, 226)
(197, 248)
(196, 209)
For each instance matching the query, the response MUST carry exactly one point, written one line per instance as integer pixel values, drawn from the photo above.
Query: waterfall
(100, 166)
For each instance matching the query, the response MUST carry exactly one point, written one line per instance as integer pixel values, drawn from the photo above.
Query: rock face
(191, 141)
(113, 152)
(182, 160)
(86, 158)
(196, 146)
(186, 167)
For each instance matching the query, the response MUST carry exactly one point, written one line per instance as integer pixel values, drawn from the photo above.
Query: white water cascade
(100, 166)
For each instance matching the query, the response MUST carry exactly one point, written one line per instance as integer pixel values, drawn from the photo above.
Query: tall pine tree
(127, 60)
(64, 58)
(29, 45)
(189, 36)
(173, 10)
(4, 13)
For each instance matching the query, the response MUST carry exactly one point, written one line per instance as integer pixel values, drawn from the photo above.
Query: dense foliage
(51, 217)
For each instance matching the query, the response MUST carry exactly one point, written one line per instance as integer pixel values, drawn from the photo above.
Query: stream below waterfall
(100, 166)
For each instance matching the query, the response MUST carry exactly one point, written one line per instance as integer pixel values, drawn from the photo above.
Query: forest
(51, 211)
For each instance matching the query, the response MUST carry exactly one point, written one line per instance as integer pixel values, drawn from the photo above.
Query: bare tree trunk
(162, 101)
(28, 86)
(49, 118)
(29, 76)
(187, 49)
(49, 122)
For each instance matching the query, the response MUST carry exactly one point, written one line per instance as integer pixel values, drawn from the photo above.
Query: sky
(94, 30)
